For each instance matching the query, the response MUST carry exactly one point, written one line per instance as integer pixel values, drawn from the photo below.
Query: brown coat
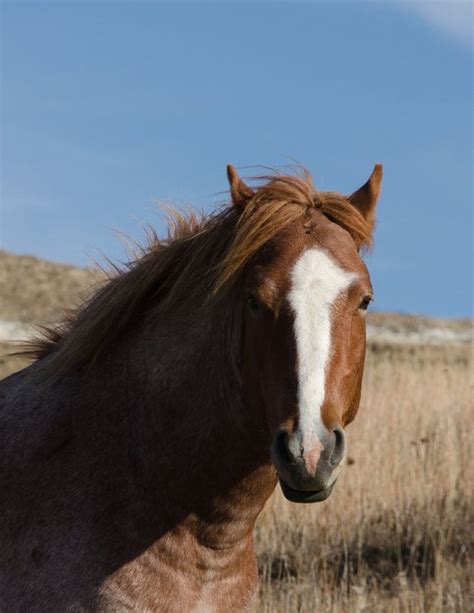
(135, 452)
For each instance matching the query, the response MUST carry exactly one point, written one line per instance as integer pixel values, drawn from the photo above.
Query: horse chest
(186, 579)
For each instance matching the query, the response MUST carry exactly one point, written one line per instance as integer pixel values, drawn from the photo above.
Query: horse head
(307, 290)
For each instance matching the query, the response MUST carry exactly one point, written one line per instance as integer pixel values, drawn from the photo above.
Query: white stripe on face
(316, 282)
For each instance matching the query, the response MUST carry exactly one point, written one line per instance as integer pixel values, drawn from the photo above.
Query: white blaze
(316, 282)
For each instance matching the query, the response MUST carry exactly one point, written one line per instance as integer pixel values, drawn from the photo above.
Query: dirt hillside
(36, 291)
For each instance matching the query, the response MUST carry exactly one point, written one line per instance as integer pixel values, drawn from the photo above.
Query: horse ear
(365, 198)
(240, 192)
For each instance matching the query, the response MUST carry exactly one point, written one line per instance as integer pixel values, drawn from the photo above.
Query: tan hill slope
(35, 291)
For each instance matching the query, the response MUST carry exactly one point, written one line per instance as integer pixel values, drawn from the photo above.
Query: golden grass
(396, 534)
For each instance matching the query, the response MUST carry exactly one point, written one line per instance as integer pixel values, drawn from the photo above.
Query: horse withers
(140, 446)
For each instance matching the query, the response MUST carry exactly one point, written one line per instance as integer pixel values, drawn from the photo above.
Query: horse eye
(365, 303)
(253, 303)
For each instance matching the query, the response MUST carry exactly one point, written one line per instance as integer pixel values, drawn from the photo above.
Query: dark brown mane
(201, 258)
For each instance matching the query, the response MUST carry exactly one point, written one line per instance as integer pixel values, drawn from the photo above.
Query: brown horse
(139, 448)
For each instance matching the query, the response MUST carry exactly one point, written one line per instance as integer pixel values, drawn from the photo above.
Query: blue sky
(110, 106)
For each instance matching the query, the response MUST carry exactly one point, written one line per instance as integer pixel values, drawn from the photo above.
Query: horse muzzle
(308, 475)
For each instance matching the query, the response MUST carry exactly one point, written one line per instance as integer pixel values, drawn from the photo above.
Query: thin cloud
(453, 17)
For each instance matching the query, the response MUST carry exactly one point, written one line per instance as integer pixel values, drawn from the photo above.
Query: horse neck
(203, 455)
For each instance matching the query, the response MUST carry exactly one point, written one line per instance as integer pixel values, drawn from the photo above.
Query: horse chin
(306, 496)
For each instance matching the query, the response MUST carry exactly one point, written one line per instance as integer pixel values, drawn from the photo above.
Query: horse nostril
(281, 446)
(339, 446)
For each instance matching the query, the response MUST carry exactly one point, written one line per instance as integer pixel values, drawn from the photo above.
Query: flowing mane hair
(201, 259)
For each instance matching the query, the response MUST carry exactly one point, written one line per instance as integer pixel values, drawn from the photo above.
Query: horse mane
(200, 259)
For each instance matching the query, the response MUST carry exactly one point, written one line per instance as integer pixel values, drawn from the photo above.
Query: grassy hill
(36, 291)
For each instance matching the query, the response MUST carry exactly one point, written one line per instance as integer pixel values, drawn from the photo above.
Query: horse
(142, 442)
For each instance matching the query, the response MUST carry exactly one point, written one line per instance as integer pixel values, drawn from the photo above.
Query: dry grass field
(397, 532)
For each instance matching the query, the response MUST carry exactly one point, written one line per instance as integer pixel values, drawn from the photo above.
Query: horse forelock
(279, 202)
